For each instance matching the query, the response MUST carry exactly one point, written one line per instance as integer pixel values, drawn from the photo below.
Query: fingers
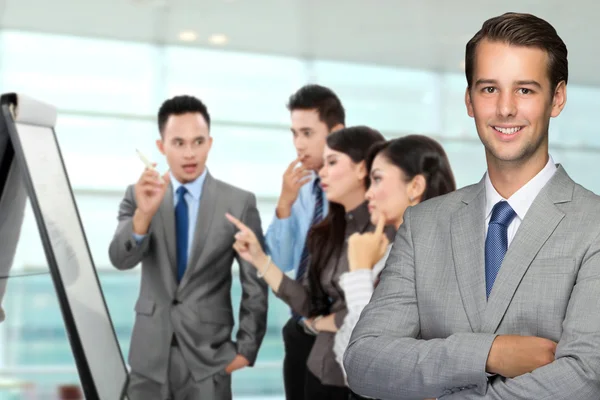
(150, 182)
(292, 165)
(238, 224)
(304, 181)
(167, 176)
(239, 247)
(150, 176)
(380, 225)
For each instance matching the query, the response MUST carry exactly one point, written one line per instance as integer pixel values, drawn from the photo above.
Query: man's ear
(559, 99)
(469, 102)
(160, 145)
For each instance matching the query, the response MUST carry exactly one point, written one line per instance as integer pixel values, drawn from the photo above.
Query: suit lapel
(540, 222)
(167, 215)
(467, 237)
(206, 214)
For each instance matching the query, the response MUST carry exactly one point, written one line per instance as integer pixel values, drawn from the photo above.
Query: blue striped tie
(181, 231)
(496, 242)
(317, 217)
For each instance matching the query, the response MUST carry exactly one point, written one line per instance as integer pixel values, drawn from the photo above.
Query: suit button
(176, 302)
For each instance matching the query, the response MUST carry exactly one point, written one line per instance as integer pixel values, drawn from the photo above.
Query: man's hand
(512, 355)
(293, 179)
(238, 362)
(150, 190)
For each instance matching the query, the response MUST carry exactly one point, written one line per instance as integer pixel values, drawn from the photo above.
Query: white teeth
(507, 131)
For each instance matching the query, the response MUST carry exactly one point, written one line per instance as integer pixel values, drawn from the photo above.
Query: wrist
(494, 361)
(264, 267)
(141, 222)
(356, 264)
(283, 209)
(314, 323)
(260, 261)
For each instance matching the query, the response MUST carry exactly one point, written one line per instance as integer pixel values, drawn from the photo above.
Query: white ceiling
(428, 34)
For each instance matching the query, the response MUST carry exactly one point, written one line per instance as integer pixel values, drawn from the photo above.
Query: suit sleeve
(124, 251)
(575, 374)
(253, 307)
(385, 344)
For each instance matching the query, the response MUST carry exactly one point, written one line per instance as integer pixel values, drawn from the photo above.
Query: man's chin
(185, 177)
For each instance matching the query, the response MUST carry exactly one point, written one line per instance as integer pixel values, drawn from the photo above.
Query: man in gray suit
(181, 345)
(493, 291)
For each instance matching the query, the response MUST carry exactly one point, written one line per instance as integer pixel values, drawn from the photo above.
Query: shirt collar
(194, 187)
(523, 198)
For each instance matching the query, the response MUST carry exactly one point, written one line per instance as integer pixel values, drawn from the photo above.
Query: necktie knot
(317, 187)
(502, 214)
(181, 191)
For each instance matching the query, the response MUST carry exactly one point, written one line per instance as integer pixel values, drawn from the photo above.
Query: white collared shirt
(521, 200)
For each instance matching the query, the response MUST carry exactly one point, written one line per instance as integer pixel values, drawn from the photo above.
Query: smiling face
(185, 143)
(512, 102)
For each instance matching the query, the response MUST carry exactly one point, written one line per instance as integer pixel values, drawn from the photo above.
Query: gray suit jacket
(428, 329)
(198, 310)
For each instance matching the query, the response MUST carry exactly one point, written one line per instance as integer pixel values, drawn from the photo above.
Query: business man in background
(181, 345)
(315, 112)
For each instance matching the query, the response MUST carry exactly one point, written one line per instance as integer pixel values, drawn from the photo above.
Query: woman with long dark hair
(404, 172)
(319, 299)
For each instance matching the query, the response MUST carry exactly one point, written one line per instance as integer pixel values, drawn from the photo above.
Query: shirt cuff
(138, 238)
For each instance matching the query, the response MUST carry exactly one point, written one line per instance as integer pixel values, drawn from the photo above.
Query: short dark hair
(181, 105)
(324, 100)
(418, 155)
(522, 30)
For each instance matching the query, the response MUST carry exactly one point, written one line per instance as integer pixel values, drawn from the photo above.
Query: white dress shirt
(521, 200)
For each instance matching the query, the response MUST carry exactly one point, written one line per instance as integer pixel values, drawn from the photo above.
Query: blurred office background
(107, 65)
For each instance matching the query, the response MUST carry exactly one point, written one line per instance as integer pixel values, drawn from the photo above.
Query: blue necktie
(496, 242)
(181, 231)
(317, 217)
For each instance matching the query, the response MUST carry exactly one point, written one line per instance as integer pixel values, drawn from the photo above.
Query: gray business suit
(428, 329)
(198, 311)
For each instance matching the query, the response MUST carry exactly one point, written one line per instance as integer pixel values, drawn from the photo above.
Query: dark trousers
(297, 344)
(314, 389)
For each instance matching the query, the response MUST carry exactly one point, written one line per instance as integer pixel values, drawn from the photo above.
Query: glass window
(579, 164)
(81, 74)
(251, 158)
(455, 120)
(385, 98)
(576, 125)
(235, 86)
(100, 153)
(467, 160)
